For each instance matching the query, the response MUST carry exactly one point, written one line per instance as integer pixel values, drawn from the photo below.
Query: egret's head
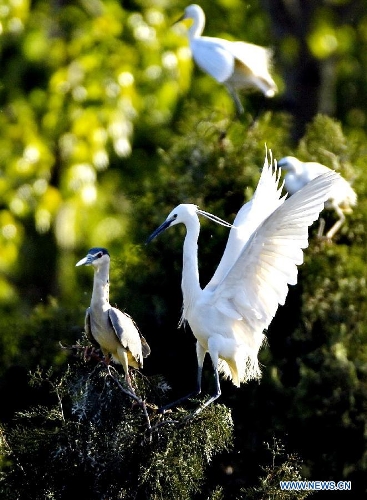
(179, 214)
(185, 213)
(289, 163)
(193, 17)
(95, 257)
(193, 12)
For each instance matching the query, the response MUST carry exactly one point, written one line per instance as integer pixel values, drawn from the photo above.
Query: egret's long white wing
(312, 169)
(212, 56)
(265, 200)
(256, 58)
(258, 281)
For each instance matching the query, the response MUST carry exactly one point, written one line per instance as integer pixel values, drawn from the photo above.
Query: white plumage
(299, 174)
(237, 65)
(264, 247)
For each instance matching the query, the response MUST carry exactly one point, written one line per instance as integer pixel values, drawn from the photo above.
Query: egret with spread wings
(264, 248)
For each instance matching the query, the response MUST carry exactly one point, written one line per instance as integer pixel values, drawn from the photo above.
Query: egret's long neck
(190, 273)
(197, 27)
(101, 286)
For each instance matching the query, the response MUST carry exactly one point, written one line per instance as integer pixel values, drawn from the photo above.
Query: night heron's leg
(200, 353)
(106, 356)
(122, 356)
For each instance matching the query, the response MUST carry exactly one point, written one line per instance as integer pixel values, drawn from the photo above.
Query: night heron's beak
(86, 261)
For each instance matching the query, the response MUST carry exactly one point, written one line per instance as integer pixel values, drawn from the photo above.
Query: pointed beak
(160, 229)
(84, 262)
(181, 18)
(186, 21)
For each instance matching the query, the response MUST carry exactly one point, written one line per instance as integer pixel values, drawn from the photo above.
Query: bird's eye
(175, 216)
(99, 255)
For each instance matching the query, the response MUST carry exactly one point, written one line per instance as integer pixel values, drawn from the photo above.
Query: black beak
(181, 18)
(160, 229)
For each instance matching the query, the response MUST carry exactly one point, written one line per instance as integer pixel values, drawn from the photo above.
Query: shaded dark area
(314, 84)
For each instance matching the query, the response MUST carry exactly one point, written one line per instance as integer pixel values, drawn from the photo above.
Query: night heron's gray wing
(88, 328)
(144, 346)
(127, 333)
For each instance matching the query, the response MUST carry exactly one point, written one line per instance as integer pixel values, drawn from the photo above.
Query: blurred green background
(106, 125)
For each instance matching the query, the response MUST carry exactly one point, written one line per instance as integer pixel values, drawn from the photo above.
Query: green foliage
(37, 334)
(97, 441)
(283, 468)
(76, 78)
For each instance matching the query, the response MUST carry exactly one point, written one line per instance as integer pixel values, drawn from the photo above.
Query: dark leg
(200, 354)
(215, 395)
(184, 398)
(237, 102)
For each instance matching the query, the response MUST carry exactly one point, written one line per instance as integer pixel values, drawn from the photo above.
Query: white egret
(264, 247)
(238, 65)
(114, 331)
(342, 197)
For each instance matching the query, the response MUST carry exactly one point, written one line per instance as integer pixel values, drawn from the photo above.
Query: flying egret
(341, 199)
(238, 65)
(264, 247)
(114, 331)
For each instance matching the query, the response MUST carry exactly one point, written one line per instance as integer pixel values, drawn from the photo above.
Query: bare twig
(138, 400)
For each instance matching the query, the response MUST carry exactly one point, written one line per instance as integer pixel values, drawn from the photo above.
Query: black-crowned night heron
(228, 317)
(114, 331)
(237, 65)
(342, 197)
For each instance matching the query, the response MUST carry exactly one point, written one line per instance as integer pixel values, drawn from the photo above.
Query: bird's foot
(325, 238)
(163, 410)
(91, 352)
(178, 402)
(86, 352)
(106, 360)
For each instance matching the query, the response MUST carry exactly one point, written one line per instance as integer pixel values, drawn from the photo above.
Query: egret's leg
(338, 223)
(321, 229)
(215, 396)
(239, 108)
(200, 354)
(215, 359)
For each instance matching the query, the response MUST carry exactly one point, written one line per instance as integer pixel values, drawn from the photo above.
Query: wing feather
(88, 328)
(266, 199)
(258, 280)
(256, 58)
(126, 332)
(213, 57)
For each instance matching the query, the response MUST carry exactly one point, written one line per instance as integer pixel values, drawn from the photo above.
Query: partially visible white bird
(114, 331)
(238, 65)
(229, 315)
(341, 199)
